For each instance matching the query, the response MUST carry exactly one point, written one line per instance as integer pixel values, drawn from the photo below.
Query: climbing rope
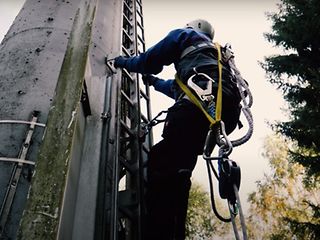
(245, 94)
(229, 178)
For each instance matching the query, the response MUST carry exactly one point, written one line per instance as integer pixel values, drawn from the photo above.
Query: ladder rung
(127, 6)
(144, 95)
(125, 51)
(140, 14)
(141, 39)
(139, 2)
(127, 98)
(128, 21)
(127, 35)
(126, 128)
(140, 26)
(127, 74)
(144, 118)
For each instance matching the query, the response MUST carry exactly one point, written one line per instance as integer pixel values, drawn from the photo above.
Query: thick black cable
(213, 204)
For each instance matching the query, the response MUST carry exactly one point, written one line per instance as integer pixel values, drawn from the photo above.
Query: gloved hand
(119, 62)
(148, 79)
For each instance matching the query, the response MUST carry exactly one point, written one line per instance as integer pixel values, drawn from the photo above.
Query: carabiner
(224, 142)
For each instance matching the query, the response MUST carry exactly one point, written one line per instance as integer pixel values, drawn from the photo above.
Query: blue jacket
(167, 87)
(167, 51)
(164, 53)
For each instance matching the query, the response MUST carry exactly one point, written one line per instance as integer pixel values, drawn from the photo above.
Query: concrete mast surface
(61, 112)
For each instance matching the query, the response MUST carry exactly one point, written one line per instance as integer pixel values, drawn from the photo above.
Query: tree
(282, 208)
(201, 222)
(296, 29)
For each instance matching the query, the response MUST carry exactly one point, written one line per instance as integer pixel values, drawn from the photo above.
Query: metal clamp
(16, 160)
(23, 122)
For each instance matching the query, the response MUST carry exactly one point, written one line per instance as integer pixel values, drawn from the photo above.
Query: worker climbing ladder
(125, 172)
(228, 175)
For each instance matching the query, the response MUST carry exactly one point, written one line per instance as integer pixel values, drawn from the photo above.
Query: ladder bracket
(109, 64)
(105, 115)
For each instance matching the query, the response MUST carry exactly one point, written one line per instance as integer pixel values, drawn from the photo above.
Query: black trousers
(170, 165)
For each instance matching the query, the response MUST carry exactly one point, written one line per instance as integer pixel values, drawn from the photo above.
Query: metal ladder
(125, 189)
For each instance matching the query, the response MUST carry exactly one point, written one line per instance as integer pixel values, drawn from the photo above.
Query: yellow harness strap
(197, 102)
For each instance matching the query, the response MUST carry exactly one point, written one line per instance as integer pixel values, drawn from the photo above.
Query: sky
(239, 22)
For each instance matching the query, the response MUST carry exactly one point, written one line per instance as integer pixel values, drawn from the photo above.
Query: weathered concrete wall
(31, 57)
(52, 47)
(60, 152)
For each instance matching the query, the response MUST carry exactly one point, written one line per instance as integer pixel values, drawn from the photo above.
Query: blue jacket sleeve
(164, 86)
(164, 53)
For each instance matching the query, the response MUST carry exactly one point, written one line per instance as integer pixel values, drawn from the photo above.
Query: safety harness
(196, 101)
(229, 176)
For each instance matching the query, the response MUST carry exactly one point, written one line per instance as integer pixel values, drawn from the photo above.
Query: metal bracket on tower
(109, 64)
(17, 169)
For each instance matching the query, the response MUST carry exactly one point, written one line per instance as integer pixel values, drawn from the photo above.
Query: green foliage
(282, 208)
(296, 29)
(201, 222)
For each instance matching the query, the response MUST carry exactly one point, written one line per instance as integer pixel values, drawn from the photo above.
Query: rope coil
(243, 88)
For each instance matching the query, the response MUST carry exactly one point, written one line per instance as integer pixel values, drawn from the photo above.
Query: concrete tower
(71, 159)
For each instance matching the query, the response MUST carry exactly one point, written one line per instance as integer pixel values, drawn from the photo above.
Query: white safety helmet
(201, 25)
